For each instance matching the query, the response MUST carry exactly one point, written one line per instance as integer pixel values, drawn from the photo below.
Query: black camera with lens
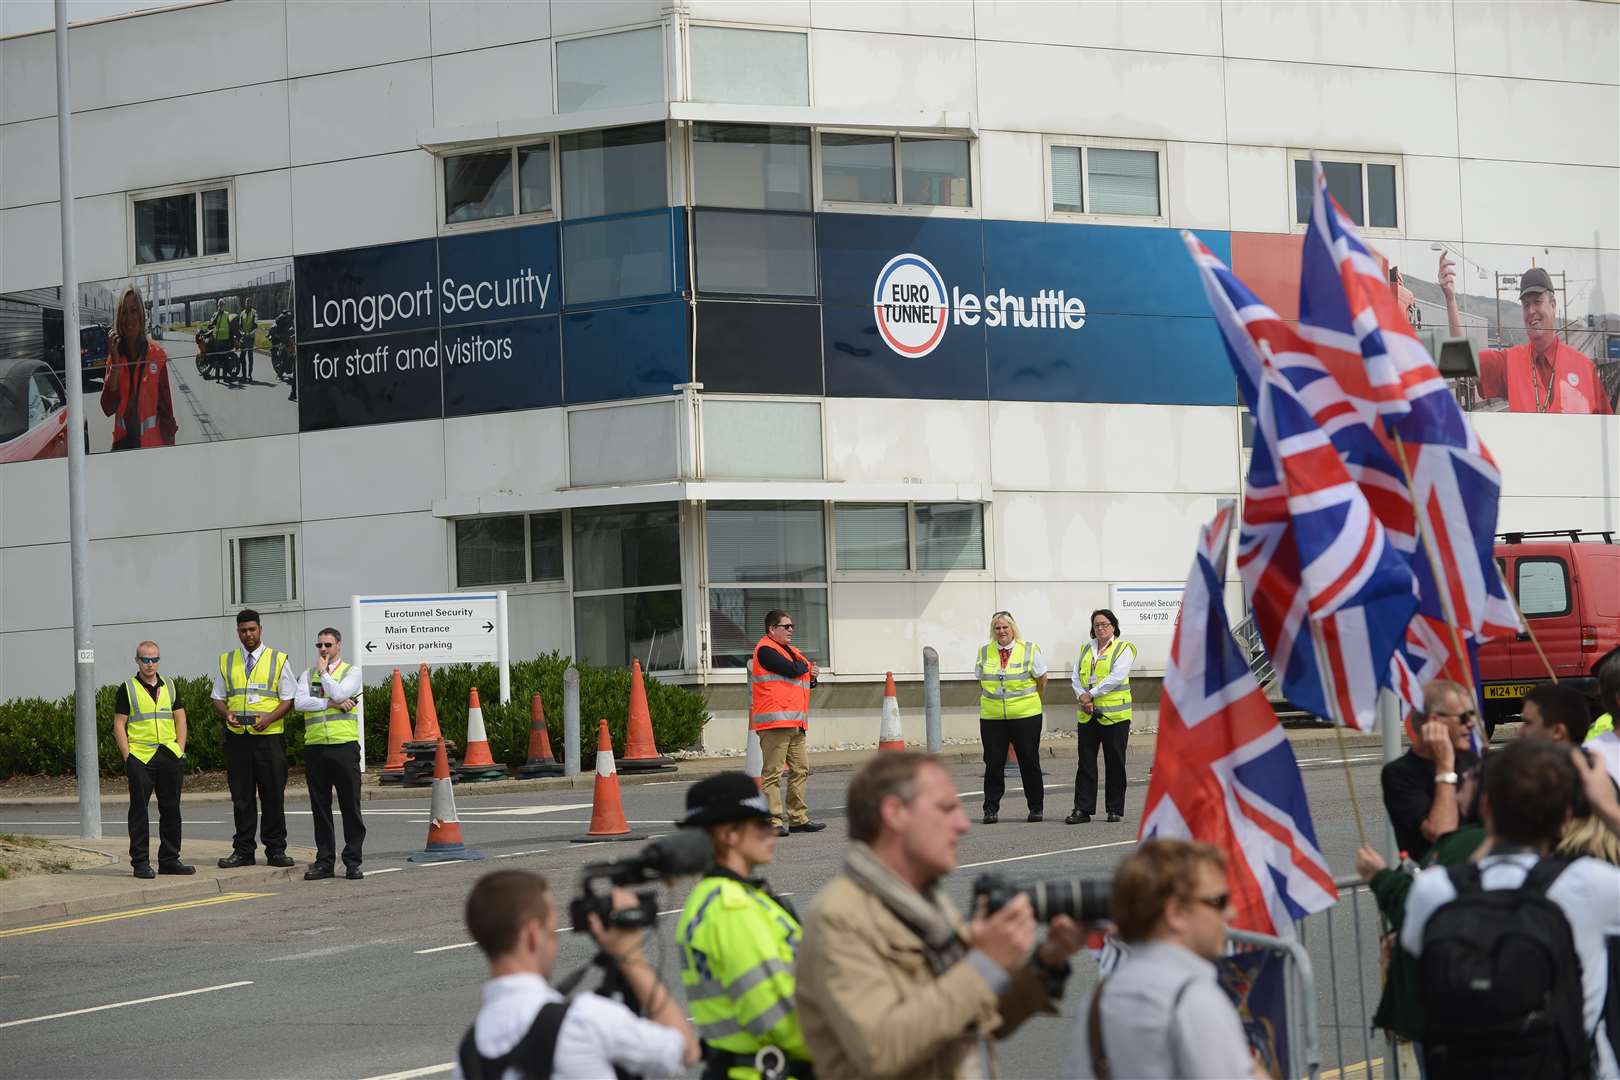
(1085, 900)
(688, 851)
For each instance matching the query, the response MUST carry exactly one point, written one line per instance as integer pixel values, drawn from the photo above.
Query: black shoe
(145, 872)
(233, 860)
(990, 818)
(317, 873)
(1036, 815)
(781, 830)
(808, 826)
(1116, 817)
(279, 860)
(1077, 818)
(176, 868)
(354, 873)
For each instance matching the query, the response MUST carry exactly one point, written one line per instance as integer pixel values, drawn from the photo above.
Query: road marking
(390, 870)
(515, 854)
(123, 1004)
(528, 810)
(446, 862)
(89, 920)
(411, 1074)
(1044, 854)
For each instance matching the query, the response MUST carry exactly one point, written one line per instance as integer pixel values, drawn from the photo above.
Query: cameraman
(1162, 1012)
(739, 941)
(526, 1028)
(891, 983)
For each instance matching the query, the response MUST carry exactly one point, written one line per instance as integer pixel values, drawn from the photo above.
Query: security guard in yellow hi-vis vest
(739, 941)
(328, 695)
(149, 726)
(1102, 689)
(1012, 677)
(254, 688)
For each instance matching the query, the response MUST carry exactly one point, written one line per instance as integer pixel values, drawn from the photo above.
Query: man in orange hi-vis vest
(780, 679)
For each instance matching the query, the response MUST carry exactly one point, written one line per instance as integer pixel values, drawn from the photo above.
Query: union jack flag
(1223, 772)
(1331, 595)
(1360, 334)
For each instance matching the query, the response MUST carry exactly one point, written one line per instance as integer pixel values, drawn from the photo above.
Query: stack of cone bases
(444, 843)
(607, 808)
(421, 750)
(399, 733)
(889, 737)
(479, 765)
(640, 752)
(541, 762)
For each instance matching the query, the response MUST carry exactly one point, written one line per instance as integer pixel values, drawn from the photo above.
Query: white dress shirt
(1117, 673)
(317, 694)
(596, 1034)
(286, 687)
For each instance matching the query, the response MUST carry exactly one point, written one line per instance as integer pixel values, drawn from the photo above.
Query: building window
(263, 569)
(1368, 189)
(608, 71)
(171, 226)
(622, 258)
(765, 556)
(615, 171)
(750, 253)
(739, 66)
(751, 166)
(871, 537)
(902, 536)
(950, 536)
(508, 550)
(1106, 180)
(497, 183)
(896, 170)
(627, 586)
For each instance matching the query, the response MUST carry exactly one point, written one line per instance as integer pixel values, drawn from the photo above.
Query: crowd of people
(1499, 961)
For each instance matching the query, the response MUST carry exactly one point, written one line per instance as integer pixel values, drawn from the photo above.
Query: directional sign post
(420, 628)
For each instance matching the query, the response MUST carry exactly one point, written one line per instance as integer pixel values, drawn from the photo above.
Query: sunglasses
(326, 644)
(147, 659)
(784, 626)
(1218, 902)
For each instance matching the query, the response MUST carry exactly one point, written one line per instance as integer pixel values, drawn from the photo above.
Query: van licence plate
(1509, 690)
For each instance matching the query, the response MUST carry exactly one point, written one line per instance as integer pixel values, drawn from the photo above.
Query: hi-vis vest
(739, 946)
(1114, 706)
(151, 720)
(1601, 726)
(222, 327)
(329, 726)
(777, 701)
(1011, 692)
(248, 692)
(250, 321)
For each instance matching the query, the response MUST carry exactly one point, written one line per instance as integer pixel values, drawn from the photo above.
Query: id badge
(252, 697)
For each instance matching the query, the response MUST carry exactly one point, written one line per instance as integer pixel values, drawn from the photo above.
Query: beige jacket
(871, 1006)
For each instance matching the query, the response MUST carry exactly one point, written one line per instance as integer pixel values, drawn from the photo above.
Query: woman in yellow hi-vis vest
(1102, 688)
(1012, 676)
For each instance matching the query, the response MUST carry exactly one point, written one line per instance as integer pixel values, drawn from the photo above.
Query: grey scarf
(928, 915)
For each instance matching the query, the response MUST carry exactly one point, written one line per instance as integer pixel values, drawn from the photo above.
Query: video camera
(687, 851)
(1085, 900)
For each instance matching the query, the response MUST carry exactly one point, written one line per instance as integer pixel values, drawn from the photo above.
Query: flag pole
(1338, 725)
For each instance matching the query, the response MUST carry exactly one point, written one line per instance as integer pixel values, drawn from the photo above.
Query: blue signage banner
(613, 353)
(500, 274)
(497, 367)
(365, 291)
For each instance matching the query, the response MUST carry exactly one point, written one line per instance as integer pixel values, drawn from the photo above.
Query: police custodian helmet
(724, 798)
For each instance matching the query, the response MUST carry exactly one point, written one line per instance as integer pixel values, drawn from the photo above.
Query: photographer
(891, 983)
(739, 940)
(1162, 1012)
(525, 1028)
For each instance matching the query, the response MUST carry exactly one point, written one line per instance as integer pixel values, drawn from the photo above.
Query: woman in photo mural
(136, 391)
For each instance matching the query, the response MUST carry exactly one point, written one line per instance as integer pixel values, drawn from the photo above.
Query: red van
(1568, 585)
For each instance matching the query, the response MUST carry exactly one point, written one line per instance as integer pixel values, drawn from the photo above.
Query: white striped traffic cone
(889, 737)
(607, 806)
(444, 842)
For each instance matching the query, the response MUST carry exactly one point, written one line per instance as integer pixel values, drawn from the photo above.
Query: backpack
(1501, 982)
(531, 1056)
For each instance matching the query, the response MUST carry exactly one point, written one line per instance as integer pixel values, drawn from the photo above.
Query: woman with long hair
(136, 391)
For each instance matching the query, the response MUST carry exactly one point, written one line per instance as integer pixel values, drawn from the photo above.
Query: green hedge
(36, 735)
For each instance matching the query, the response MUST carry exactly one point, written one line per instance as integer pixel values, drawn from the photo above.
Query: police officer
(1102, 691)
(739, 941)
(149, 726)
(1012, 677)
(327, 696)
(253, 689)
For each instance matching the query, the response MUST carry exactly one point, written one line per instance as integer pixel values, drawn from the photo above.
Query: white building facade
(662, 315)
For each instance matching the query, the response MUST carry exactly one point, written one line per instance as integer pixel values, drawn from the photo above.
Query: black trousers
(1024, 735)
(256, 765)
(164, 774)
(325, 768)
(1112, 739)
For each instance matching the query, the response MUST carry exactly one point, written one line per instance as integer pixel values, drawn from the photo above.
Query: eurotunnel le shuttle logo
(914, 307)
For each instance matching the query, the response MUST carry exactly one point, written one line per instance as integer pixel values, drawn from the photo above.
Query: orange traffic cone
(541, 762)
(640, 751)
(1012, 759)
(479, 765)
(427, 717)
(607, 807)
(444, 842)
(889, 737)
(399, 733)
